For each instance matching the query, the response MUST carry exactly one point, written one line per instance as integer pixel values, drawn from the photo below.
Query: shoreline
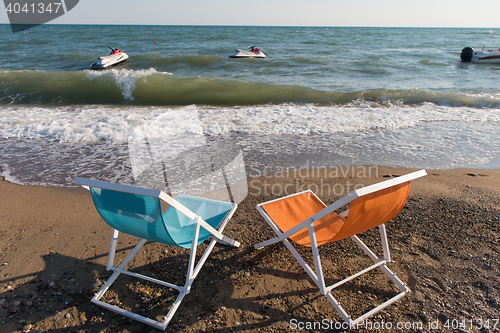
(444, 244)
(38, 161)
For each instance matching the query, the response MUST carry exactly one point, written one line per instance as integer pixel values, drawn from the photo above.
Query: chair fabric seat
(372, 210)
(365, 212)
(141, 216)
(289, 212)
(181, 228)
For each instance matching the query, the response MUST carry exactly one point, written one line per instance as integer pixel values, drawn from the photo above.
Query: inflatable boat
(490, 56)
(115, 57)
(253, 52)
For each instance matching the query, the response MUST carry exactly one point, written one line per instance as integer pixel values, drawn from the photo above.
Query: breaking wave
(152, 87)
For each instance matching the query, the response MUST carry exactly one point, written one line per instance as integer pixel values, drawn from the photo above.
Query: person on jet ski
(254, 49)
(114, 51)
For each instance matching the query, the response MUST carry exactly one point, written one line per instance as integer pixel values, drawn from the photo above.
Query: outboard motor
(466, 54)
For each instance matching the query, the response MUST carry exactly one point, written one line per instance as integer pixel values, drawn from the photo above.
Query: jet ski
(115, 57)
(253, 52)
(489, 56)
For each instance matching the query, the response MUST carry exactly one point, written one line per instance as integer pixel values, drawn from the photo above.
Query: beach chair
(307, 221)
(137, 211)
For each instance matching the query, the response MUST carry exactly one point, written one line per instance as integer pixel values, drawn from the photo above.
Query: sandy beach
(444, 245)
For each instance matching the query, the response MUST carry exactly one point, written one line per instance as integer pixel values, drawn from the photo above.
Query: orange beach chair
(307, 221)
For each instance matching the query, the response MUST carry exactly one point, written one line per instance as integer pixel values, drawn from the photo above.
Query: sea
(322, 97)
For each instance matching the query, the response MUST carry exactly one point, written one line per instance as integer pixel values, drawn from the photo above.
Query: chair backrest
(133, 214)
(365, 212)
(181, 228)
(370, 206)
(137, 211)
(374, 209)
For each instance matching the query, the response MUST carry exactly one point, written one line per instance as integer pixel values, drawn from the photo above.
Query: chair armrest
(216, 233)
(334, 206)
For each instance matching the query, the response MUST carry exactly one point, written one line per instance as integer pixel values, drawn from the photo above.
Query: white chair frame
(192, 270)
(317, 274)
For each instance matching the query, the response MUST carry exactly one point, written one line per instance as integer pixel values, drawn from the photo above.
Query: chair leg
(121, 269)
(213, 240)
(192, 258)
(112, 249)
(385, 244)
(319, 280)
(377, 263)
(193, 270)
(122, 266)
(204, 257)
(317, 259)
(302, 262)
(340, 310)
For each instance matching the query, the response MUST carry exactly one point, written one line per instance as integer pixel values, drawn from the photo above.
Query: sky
(371, 13)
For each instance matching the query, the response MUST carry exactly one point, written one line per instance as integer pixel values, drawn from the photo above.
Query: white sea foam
(115, 124)
(58, 144)
(5, 172)
(125, 78)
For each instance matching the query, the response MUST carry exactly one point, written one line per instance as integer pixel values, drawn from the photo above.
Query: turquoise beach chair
(186, 223)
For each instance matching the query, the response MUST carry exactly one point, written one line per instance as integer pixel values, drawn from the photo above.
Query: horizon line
(268, 26)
